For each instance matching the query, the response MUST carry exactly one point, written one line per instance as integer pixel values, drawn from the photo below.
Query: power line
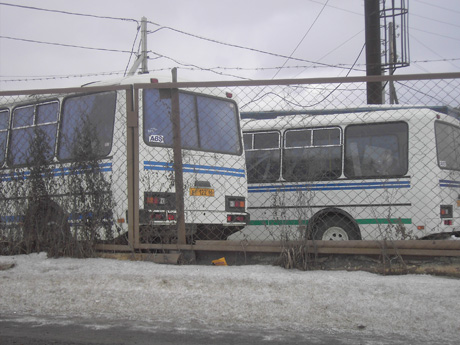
(14, 78)
(239, 46)
(132, 48)
(338, 8)
(197, 67)
(308, 31)
(69, 13)
(432, 33)
(434, 20)
(434, 52)
(433, 5)
(161, 27)
(65, 45)
(56, 77)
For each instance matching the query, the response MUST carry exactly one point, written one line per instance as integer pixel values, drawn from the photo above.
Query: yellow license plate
(201, 192)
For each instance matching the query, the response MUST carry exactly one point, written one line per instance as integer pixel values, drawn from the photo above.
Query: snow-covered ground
(421, 307)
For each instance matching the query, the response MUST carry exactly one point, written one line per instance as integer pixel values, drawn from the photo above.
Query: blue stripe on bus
(192, 168)
(449, 183)
(62, 171)
(329, 186)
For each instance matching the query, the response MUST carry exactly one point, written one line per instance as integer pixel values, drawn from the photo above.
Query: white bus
(352, 174)
(63, 160)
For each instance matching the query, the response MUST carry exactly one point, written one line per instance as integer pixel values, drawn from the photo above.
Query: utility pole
(393, 59)
(145, 68)
(142, 58)
(373, 54)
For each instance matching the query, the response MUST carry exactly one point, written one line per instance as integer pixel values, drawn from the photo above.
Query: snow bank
(254, 297)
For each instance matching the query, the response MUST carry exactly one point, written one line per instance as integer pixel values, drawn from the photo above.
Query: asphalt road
(29, 334)
(77, 332)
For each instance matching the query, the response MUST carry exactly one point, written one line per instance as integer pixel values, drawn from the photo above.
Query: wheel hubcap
(335, 233)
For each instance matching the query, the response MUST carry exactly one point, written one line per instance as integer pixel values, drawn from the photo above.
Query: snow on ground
(226, 297)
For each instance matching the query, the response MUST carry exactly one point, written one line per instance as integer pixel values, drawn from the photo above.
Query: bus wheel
(336, 228)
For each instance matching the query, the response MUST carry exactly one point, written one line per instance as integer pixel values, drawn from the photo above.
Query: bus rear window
(376, 150)
(448, 145)
(207, 123)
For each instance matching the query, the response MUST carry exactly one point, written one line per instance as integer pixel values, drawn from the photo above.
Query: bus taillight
(446, 211)
(155, 200)
(162, 201)
(236, 218)
(157, 216)
(235, 203)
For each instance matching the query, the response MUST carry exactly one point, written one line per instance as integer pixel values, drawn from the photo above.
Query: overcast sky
(326, 39)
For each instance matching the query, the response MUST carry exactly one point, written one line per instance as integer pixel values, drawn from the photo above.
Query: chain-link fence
(322, 164)
(150, 165)
(59, 192)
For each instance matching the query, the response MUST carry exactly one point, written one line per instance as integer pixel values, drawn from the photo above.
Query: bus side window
(30, 122)
(312, 154)
(375, 150)
(262, 156)
(87, 126)
(4, 115)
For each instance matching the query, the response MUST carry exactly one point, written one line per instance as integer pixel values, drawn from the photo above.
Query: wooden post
(178, 172)
(132, 121)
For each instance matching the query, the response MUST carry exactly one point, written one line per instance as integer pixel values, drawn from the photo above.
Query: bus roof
(272, 114)
(257, 121)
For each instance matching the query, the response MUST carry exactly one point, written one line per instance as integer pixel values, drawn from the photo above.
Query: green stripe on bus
(385, 221)
(359, 221)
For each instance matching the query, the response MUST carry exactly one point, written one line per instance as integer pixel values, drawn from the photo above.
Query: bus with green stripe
(376, 172)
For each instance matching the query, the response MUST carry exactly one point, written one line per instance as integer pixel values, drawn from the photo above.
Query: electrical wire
(65, 45)
(435, 34)
(338, 8)
(433, 5)
(298, 45)
(197, 67)
(322, 100)
(14, 78)
(68, 13)
(241, 47)
(162, 27)
(132, 48)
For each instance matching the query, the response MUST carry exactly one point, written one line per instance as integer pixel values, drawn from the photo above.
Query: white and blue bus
(63, 157)
(367, 173)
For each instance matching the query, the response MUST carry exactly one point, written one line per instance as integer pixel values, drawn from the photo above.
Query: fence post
(178, 172)
(132, 112)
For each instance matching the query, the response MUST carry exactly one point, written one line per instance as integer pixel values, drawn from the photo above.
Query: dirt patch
(4, 267)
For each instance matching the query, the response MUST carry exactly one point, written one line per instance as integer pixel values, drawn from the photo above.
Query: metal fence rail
(320, 163)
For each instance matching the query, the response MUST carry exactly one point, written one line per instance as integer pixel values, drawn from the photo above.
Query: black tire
(335, 227)
(46, 228)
